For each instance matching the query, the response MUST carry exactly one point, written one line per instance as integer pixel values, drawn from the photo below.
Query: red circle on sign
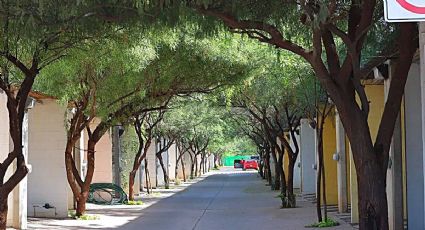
(410, 7)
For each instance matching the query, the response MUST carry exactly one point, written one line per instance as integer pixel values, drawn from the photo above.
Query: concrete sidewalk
(227, 199)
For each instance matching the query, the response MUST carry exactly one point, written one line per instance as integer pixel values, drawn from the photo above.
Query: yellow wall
(329, 148)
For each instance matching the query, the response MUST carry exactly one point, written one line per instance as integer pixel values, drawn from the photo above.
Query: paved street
(228, 199)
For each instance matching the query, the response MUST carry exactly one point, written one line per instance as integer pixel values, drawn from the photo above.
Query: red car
(250, 164)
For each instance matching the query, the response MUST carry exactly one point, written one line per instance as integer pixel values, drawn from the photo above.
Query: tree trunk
(82, 197)
(282, 181)
(147, 177)
(291, 200)
(276, 181)
(192, 170)
(131, 180)
(179, 159)
(319, 133)
(260, 170)
(268, 170)
(164, 172)
(372, 198)
(140, 156)
(196, 166)
(203, 164)
(81, 204)
(183, 171)
(325, 202)
(371, 171)
(215, 162)
(3, 213)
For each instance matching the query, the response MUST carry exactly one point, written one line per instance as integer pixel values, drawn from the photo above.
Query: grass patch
(72, 214)
(324, 224)
(134, 202)
(177, 181)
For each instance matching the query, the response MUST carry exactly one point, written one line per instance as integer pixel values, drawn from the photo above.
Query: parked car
(250, 164)
(237, 164)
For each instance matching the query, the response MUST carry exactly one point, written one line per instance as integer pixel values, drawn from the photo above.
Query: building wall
(307, 158)
(414, 150)
(329, 148)
(172, 157)
(297, 168)
(103, 156)
(47, 140)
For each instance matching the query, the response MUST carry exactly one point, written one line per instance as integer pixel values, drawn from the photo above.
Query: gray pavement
(228, 199)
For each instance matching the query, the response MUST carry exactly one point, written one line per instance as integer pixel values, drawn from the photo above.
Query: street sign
(404, 10)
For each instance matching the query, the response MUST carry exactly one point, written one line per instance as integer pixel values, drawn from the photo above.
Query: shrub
(134, 202)
(324, 224)
(83, 217)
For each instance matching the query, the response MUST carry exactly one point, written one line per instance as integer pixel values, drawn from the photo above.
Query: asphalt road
(229, 199)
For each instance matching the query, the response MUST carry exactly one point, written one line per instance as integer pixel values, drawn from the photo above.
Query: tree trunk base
(372, 201)
(288, 201)
(81, 205)
(3, 214)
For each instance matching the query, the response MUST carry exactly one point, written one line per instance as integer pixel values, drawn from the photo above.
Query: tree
(278, 112)
(87, 83)
(339, 70)
(35, 34)
(177, 71)
(143, 125)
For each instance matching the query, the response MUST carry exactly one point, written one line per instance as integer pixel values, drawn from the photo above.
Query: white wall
(414, 150)
(47, 139)
(172, 157)
(307, 157)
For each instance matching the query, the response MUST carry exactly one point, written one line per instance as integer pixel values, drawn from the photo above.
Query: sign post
(404, 10)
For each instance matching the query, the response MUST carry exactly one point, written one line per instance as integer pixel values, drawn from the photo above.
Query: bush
(83, 217)
(324, 224)
(134, 202)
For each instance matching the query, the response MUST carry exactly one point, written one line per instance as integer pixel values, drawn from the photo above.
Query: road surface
(228, 199)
